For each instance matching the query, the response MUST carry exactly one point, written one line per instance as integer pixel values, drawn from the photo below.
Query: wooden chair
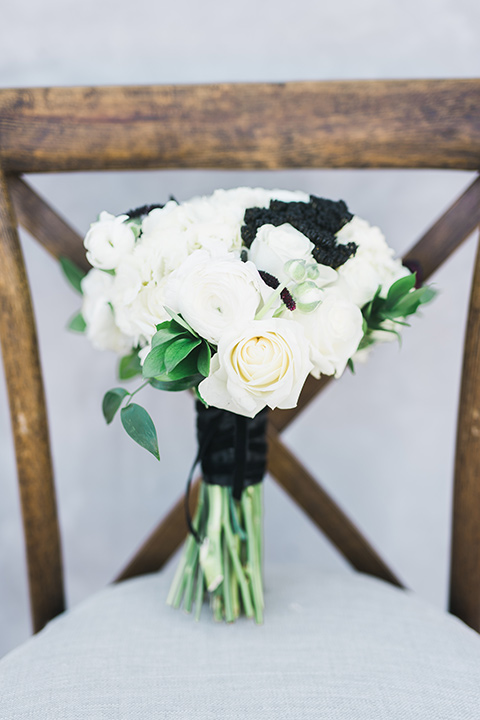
(382, 124)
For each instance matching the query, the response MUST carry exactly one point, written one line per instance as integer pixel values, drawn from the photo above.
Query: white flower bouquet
(238, 296)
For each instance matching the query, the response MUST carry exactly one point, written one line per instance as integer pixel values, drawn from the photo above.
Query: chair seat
(333, 646)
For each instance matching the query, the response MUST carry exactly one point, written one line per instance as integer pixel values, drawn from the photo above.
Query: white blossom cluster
(187, 257)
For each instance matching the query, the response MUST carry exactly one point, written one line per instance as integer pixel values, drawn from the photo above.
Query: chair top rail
(358, 124)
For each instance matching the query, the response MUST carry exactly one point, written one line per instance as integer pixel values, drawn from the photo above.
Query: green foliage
(77, 323)
(402, 300)
(179, 358)
(112, 401)
(73, 273)
(129, 366)
(139, 425)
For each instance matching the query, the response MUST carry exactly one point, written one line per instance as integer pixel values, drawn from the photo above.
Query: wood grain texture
(325, 513)
(164, 540)
(448, 232)
(29, 422)
(383, 123)
(45, 224)
(465, 559)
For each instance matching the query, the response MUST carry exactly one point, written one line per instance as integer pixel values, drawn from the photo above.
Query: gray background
(382, 440)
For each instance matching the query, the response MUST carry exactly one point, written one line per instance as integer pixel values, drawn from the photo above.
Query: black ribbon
(232, 450)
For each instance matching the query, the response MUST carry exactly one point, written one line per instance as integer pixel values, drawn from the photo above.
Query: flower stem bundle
(227, 565)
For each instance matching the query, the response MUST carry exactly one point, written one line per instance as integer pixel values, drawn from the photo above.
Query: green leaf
(168, 331)
(399, 289)
(178, 319)
(112, 401)
(351, 366)
(185, 368)
(203, 359)
(77, 323)
(129, 366)
(178, 350)
(154, 363)
(407, 305)
(164, 383)
(73, 273)
(139, 425)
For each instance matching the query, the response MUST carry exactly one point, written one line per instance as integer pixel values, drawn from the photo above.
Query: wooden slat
(29, 422)
(46, 225)
(465, 562)
(325, 513)
(444, 236)
(429, 253)
(163, 542)
(385, 123)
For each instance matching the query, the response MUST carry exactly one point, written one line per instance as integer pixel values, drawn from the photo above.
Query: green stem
(190, 572)
(253, 565)
(211, 550)
(132, 394)
(187, 561)
(199, 592)
(227, 586)
(273, 297)
(237, 566)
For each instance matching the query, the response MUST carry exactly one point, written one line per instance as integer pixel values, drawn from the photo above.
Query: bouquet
(237, 297)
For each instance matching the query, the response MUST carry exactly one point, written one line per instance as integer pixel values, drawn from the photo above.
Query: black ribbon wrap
(232, 450)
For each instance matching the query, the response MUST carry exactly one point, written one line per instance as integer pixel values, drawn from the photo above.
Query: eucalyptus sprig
(401, 301)
(179, 359)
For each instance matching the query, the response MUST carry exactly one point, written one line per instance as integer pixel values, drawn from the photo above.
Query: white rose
(108, 240)
(214, 293)
(334, 331)
(372, 266)
(264, 363)
(274, 246)
(102, 329)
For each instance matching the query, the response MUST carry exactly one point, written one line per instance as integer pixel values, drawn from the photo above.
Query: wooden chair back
(368, 124)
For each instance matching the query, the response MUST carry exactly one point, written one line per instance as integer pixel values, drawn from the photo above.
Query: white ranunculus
(108, 240)
(334, 331)
(263, 363)
(97, 312)
(274, 246)
(139, 317)
(373, 264)
(214, 293)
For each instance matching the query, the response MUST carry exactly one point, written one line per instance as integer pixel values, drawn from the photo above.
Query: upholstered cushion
(332, 646)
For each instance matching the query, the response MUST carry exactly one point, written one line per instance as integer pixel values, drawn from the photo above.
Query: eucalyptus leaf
(185, 368)
(112, 401)
(203, 359)
(400, 288)
(139, 425)
(168, 331)
(129, 366)
(178, 351)
(178, 319)
(165, 383)
(73, 273)
(77, 323)
(154, 363)
(407, 305)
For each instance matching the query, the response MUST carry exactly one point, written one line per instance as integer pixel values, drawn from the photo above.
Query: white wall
(382, 441)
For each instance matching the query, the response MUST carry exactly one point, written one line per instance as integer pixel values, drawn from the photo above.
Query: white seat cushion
(333, 646)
